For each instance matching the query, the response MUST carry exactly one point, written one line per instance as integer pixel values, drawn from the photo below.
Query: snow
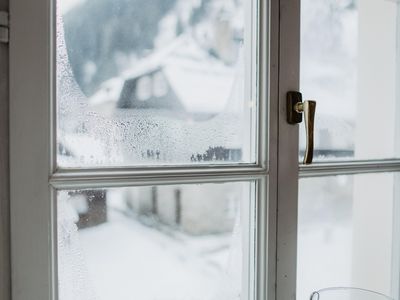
(85, 148)
(202, 82)
(109, 91)
(324, 257)
(73, 279)
(329, 35)
(137, 262)
(67, 5)
(200, 86)
(130, 257)
(126, 259)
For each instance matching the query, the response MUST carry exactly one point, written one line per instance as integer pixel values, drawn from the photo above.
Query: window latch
(295, 108)
(4, 27)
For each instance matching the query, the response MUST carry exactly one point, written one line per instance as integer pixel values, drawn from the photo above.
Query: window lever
(295, 108)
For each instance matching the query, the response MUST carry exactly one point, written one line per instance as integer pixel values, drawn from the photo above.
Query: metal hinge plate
(4, 27)
(293, 117)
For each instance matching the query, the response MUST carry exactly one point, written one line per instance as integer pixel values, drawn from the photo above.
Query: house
(192, 209)
(182, 78)
(188, 87)
(179, 82)
(90, 206)
(181, 87)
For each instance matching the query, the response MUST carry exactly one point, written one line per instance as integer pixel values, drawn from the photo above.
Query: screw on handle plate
(295, 108)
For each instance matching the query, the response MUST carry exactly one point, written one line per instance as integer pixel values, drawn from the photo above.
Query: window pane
(155, 82)
(350, 66)
(348, 235)
(156, 242)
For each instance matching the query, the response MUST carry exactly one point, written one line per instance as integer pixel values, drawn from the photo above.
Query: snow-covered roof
(202, 82)
(201, 86)
(109, 91)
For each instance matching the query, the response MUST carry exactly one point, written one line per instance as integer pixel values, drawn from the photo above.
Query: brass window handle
(295, 108)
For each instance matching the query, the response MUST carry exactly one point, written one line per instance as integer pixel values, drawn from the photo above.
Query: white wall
(375, 138)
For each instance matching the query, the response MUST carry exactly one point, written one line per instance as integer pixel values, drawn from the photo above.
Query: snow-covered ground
(128, 260)
(125, 259)
(324, 234)
(324, 258)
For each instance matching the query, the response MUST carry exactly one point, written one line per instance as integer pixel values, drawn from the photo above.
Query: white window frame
(35, 178)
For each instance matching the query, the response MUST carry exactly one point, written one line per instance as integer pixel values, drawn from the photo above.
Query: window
(160, 87)
(197, 192)
(167, 193)
(144, 87)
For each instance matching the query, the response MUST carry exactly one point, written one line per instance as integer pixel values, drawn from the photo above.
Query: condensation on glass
(350, 66)
(155, 82)
(157, 242)
(348, 236)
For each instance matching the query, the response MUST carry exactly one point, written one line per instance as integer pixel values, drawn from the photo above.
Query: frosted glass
(156, 242)
(154, 82)
(349, 65)
(348, 236)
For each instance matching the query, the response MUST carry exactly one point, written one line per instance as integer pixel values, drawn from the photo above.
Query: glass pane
(349, 65)
(348, 235)
(155, 82)
(156, 242)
